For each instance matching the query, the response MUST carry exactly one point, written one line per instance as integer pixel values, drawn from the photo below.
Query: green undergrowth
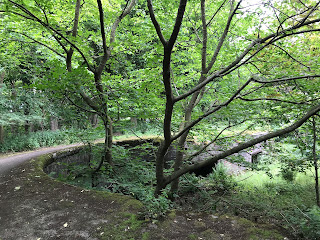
(33, 140)
(264, 196)
(133, 175)
(253, 195)
(128, 228)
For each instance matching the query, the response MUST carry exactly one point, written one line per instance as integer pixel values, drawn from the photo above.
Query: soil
(34, 206)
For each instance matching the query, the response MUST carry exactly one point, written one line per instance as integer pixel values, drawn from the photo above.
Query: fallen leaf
(17, 188)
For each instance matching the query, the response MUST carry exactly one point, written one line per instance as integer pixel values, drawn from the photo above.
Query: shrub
(288, 174)
(220, 180)
(310, 224)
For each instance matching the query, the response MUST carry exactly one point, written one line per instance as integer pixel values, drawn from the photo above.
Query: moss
(172, 214)
(130, 228)
(245, 222)
(199, 224)
(259, 234)
(192, 236)
(210, 234)
(132, 204)
(145, 236)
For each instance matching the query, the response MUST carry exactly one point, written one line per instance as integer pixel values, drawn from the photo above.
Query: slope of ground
(34, 206)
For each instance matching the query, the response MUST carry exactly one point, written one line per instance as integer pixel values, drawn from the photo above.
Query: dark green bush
(310, 223)
(220, 180)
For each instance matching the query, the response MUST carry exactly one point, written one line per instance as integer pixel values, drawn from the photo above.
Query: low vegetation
(263, 194)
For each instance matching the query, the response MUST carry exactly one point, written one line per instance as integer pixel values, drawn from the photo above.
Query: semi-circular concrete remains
(9, 162)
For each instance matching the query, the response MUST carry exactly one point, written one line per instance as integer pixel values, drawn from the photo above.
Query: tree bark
(94, 120)
(1, 127)
(315, 160)
(54, 124)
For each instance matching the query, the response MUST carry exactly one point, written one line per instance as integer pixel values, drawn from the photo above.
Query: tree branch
(107, 50)
(285, 79)
(234, 65)
(192, 124)
(156, 24)
(103, 34)
(223, 37)
(177, 25)
(74, 34)
(276, 100)
(243, 146)
(40, 43)
(48, 27)
(289, 55)
(204, 37)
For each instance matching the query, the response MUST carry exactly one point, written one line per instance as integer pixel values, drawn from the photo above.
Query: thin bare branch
(40, 43)
(279, 80)
(78, 106)
(276, 100)
(107, 51)
(216, 12)
(177, 25)
(74, 34)
(43, 11)
(213, 141)
(235, 64)
(289, 55)
(192, 124)
(204, 37)
(223, 37)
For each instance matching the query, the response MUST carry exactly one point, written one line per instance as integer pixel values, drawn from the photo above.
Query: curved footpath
(34, 206)
(11, 161)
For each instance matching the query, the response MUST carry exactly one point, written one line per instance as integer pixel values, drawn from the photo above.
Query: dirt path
(8, 162)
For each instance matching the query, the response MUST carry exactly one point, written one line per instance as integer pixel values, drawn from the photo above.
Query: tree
(315, 160)
(85, 58)
(231, 51)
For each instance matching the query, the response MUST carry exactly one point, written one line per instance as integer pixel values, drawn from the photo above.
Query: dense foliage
(226, 74)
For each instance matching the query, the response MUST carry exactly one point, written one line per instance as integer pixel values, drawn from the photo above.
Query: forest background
(214, 73)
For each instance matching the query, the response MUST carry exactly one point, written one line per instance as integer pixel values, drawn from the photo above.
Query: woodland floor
(34, 206)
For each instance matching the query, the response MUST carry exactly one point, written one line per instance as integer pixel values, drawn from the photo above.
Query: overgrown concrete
(35, 206)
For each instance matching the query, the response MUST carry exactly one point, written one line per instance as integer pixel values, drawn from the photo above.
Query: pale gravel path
(9, 162)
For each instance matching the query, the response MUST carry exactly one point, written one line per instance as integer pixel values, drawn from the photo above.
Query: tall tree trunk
(183, 138)
(134, 121)
(54, 123)
(1, 127)
(27, 124)
(1, 134)
(94, 120)
(107, 150)
(315, 160)
(108, 141)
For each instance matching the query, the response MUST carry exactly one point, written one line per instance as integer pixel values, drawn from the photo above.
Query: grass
(275, 200)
